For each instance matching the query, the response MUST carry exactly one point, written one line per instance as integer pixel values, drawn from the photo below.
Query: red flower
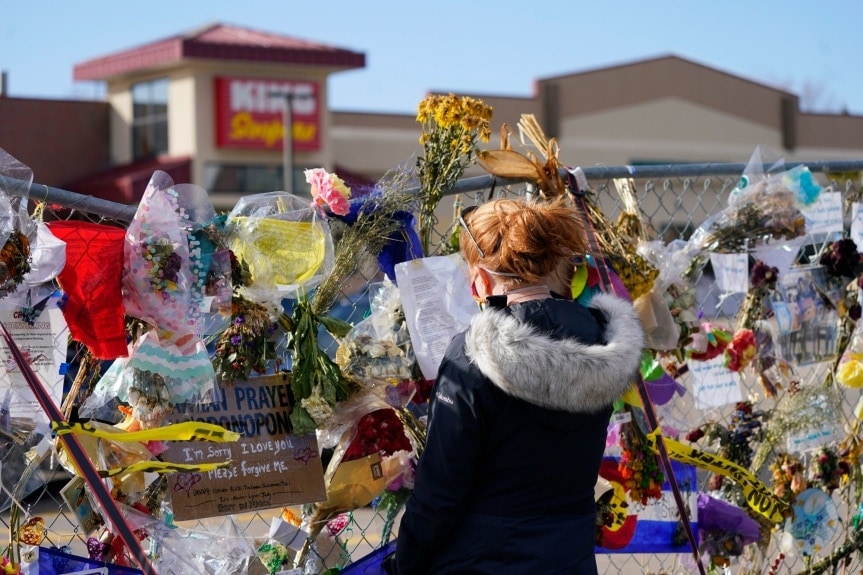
(695, 434)
(741, 350)
(380, 431)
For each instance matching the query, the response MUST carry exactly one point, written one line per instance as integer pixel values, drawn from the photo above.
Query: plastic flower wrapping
(176, 278)
(285, 242)
(850, 369)
(765, 206)
(374, 436)
(17, 229)
(379, 347)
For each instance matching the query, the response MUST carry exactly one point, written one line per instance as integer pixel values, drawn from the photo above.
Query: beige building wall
(666, 130)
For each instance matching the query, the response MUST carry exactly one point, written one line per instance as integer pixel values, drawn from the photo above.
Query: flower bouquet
(373, 451)
(451, 126)
(16, 226)
(639, 465)
(763, 207)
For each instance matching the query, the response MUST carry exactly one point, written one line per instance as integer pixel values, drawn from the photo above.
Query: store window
(150, 119)
(251, 179)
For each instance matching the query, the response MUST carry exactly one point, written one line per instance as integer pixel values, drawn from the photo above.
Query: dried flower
(765, 213)
(245, 347)
(14, 262)
(638, 465)
(841, 259)
(763, 275)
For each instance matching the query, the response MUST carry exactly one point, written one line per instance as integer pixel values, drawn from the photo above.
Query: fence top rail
(125, 213)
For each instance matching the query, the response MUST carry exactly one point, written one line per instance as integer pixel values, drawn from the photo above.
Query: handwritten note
(713, 384)
(857, 223)
(811, 439)
(825, 215)
(269, 468)
(731, 271)
(437, 302)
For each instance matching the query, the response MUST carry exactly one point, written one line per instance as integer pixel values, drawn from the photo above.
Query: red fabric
(91, 281)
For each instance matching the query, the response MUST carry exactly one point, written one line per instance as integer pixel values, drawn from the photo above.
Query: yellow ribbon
(162, 467)
(758, 496)
(185, 431)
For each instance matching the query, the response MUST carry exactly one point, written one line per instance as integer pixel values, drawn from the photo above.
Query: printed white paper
(857, 224)
(731, 272)
(713, 384)
(44, 346)
(811, 439)
(825, 215)
(438, 305)
(778, 256)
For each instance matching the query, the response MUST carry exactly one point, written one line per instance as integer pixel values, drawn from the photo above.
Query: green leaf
(336, 327)
(302, 422)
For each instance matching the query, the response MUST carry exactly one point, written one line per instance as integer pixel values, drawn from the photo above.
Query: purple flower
(763, 275)
(236, 339)
(842, 259)
(240, 320)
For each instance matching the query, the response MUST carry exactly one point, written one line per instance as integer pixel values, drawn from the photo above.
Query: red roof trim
(126, 183)
(219, 42)
(149, 56)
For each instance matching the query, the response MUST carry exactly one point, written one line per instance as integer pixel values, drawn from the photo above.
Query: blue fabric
(53, 561)
(657, 536)
(402, 245)
(371, 564)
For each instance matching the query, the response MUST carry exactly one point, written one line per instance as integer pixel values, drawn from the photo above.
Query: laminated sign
(269, 466)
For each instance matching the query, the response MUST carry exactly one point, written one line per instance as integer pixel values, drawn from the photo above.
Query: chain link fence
(673, 201)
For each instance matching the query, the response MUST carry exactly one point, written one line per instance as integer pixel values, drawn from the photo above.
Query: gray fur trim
(561, 374)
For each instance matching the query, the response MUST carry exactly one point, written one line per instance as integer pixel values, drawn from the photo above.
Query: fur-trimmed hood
(555, 373)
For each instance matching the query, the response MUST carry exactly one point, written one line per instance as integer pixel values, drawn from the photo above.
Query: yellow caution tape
(185, 431)
(758, 496)
(162, 467)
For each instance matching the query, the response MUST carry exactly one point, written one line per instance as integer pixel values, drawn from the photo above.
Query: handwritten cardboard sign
(269, 468)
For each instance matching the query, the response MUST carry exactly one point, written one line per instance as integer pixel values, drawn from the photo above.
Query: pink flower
(329, 190)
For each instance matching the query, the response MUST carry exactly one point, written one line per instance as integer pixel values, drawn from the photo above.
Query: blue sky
(471, 46)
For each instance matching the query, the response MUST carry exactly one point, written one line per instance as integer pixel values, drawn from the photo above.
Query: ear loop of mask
(479, 301)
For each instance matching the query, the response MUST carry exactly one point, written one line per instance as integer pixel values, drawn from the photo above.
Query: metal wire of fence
(674, 200)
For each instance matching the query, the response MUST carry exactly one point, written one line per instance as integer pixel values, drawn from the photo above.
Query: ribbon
(185, 431)
(162, 467)
(758, 496)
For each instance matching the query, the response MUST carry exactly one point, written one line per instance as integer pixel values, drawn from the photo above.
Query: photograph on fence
(805, 316)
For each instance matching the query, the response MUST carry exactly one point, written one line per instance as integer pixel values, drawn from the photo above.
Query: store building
(209, 107)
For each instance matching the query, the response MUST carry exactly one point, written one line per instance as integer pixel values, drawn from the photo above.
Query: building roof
(667, 77)
(126, 183)
(219, 42)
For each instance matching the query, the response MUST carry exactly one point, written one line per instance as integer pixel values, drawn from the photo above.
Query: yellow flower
(340, 186)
